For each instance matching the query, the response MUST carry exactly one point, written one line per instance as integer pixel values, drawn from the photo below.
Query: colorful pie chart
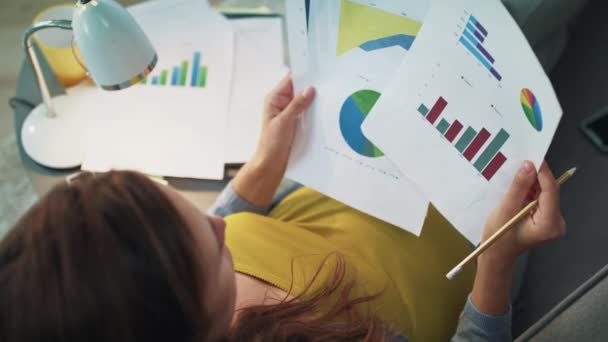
(354, 111)
(532, 109)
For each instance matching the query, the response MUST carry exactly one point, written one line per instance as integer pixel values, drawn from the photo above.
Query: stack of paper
(258, 67)
(202, 105)
(331, 154)
(417, 103)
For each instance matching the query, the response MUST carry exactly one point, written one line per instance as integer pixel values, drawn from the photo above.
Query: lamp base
(55, 142)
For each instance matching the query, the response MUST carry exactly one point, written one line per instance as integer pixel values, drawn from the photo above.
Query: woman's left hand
(259, 179)
(492, 289)
(545, 223)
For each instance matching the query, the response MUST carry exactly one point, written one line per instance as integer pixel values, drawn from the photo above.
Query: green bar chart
(163, 77)
(423, 110)
(188, 73)
(202, 77)
(184, 73)
(492, 150)
(443, 126)
(466, 139)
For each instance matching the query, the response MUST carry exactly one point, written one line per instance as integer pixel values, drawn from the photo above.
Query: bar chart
(186, 74)
(472, 38)
(487, 162)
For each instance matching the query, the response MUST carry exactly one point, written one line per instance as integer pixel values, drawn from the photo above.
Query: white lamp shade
(116, 51)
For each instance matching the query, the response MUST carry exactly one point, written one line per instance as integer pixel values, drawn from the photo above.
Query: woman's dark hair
(106, 258)
(110, 258)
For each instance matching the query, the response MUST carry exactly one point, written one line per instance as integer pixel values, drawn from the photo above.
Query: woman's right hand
(259, 179)
(543, 224)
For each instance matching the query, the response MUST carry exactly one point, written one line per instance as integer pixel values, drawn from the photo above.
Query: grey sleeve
(476, 326)
(229, 202)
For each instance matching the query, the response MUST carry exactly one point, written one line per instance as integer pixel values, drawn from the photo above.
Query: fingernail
(527, 167)
(307, 93)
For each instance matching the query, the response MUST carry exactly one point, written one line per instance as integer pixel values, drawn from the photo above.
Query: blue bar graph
(479, 26)
(155, 80)
(496, 74)
(196, 65)
(479, 36)
(472, 28)
(175, 76)
(472, 39)
(475, 53)
(485, 53)
(478, 45)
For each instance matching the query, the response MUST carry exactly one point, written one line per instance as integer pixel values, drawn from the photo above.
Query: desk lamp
(117, 54)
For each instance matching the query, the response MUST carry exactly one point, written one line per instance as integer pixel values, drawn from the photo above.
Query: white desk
(201, 193)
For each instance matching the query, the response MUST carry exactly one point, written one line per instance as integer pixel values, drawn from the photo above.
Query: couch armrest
(579, 317)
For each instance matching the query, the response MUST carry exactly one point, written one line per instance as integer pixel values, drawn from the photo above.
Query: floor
(16, 192)
(581, 81)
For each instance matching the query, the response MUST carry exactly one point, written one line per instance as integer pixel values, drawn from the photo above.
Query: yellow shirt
(287, 247)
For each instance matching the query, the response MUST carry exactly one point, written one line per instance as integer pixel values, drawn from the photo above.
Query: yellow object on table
(56, 46)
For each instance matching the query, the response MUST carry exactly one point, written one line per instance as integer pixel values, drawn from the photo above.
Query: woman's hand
(543, 224)
(259, 179)
(281, 112)
(492, 289)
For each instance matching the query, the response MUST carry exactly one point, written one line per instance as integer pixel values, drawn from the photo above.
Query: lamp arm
(29, 48)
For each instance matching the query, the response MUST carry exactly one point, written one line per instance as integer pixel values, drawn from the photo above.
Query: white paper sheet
(330, 153)
(258, 67)
(169, 130)
(482, 85)
(179, 12)
(297, 40)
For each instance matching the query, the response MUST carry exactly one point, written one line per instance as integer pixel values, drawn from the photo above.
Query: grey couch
(582, 316)
(546, 24)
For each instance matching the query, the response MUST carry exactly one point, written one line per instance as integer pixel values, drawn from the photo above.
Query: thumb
(299, 103)
(520, 187)
(279, 97)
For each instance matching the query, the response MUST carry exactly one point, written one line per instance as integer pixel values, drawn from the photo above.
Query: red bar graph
(437, 110)
(453, 131)
(494, 166)
(476, 145)
(470, 143)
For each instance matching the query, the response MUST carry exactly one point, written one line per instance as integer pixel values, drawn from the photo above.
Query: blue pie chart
(354, 111)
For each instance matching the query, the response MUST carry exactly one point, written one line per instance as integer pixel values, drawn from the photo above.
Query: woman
(119, 258)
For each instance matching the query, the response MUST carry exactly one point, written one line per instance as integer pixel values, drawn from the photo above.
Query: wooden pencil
(505, 228)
